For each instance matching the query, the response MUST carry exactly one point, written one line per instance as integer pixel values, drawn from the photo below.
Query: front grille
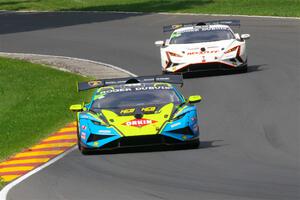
(136, 141)
(94, 137)
(140, 140)
(185, 131)
(203, 67)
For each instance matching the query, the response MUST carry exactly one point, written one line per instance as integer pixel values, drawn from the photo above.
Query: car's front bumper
(140, 141)
(203, 67)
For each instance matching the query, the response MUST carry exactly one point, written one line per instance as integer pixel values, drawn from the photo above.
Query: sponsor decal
(94, 83)
(175, 34)
(83, 127)
(104, 131)
(136, 89)
(202, 52)
(83, 135)
(195, 127)
(154, 88)
(96, 144)
(148, 109)
(139, 122)
(127, 111)
(176, 26)
(203, 28)
(176, 124)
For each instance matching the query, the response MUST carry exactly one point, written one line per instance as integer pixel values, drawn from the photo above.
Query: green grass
(245, 7)
(2, 183)
(34, 103)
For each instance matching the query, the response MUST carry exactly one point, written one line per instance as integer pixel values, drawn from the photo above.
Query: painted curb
(33, 157)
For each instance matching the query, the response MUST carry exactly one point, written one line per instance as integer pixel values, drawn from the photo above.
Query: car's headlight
(178, 117)
(96, 122)
(232, 49)
(174, 54)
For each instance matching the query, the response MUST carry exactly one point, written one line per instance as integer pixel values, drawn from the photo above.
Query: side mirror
(76, 107)
(245, 36)
(194, 99)
(159, 43)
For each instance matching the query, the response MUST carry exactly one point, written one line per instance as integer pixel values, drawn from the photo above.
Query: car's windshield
(200, 35)
(134, 96)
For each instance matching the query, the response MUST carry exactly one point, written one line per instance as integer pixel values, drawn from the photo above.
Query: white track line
(161, 13)
(8, 187)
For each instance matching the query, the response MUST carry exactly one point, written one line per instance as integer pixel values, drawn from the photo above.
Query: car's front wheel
(164, 72)
(83, 150)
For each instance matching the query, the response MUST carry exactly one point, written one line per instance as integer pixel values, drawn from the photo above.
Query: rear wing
(173, 79)
(232, 22)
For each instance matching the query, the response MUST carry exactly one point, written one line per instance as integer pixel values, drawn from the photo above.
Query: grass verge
(2, 183)
(34, 103)
(244, 7)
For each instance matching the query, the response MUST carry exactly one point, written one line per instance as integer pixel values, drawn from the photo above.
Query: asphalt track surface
(249, 122)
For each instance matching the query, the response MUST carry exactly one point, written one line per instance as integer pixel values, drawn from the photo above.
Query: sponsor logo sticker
(96, 144)
(149, 109)
(196, 127)
(139, 122)
(104, 131)
(94, 83)
(127, 111)
(176, 124)
(83, 135)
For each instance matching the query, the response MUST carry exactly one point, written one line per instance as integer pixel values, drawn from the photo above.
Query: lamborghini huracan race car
(203, 46)
(136, 111)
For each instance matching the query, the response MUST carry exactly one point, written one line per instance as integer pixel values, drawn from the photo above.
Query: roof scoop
(133, 80)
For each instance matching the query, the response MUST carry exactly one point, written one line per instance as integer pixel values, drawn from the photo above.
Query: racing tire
(83, 150)
(244, 69)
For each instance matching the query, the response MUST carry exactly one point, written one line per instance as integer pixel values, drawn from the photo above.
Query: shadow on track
(14, 22)
(157, 148)
(146, 6)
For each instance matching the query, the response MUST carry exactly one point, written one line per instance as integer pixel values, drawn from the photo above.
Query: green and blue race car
(136, 111)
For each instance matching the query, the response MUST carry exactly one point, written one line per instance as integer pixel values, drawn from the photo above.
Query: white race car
(203, 46)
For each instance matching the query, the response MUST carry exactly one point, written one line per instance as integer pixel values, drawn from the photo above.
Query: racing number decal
(127, 111)
(131, 110)
(148, 109)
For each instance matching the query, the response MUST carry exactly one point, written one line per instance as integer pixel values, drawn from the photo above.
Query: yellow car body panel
(149, 124)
